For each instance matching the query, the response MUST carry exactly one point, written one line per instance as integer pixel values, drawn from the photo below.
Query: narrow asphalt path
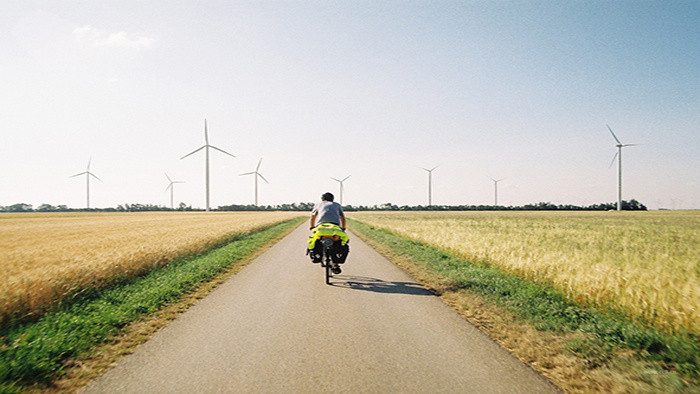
(277, 327)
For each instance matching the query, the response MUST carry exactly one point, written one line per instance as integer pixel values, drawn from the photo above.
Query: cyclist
(330, 213)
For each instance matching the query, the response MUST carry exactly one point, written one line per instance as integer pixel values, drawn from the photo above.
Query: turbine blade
(629, 145)
(82, 173)
(258, 167)
(166, 175)
(337, 180)
(95, 176)
(169, 186)
(434, 168)
(346, 178)
(247, 173)
(221, 150)
(614, 136)
(89, 161)
(263, 178)
(613, 160)
(191, 153)
(178, 181)
(206, 134)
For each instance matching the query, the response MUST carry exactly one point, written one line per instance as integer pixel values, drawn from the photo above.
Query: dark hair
(327, 197)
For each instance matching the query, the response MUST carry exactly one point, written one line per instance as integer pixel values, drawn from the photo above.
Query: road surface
(277, 327)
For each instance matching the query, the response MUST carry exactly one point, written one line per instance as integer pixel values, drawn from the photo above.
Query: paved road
(276, 327)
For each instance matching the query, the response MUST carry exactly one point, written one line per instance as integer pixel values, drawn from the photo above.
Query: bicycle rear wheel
(328, 264)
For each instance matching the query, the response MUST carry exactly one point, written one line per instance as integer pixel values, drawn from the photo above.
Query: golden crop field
(43, 257)
(643, 263)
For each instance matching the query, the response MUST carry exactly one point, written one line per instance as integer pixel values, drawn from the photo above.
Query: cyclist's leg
(335, 267)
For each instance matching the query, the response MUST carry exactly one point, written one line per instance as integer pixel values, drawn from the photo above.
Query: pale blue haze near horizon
(483, 89)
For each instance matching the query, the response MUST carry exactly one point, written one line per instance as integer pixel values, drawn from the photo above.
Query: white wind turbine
(172, 188)
(206, 150)
(495, 190)
(341, 187)
(87, 174)
(430, 184)
(257, 174)
(618, 155)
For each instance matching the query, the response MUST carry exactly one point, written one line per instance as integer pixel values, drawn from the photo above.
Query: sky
(512, 90)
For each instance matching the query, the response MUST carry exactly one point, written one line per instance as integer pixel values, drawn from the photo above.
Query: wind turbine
(341, 187)
(171, 187)
(87, 174)
(206, 150)
(495, 190)
(257, 174)
(619, 145)
(430, 184)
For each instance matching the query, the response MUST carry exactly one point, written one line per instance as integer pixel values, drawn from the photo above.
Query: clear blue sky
(376, 90)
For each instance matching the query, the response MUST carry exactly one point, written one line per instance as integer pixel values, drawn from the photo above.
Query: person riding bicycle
(328, 220)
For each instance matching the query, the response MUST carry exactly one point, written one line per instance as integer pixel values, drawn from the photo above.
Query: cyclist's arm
(312, 223)
(342, 222)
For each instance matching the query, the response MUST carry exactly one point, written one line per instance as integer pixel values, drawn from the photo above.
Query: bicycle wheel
(327, 259)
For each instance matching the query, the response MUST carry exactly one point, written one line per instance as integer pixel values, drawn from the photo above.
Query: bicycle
(328, 245)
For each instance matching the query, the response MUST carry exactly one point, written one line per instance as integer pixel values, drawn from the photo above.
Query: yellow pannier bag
(327, 230)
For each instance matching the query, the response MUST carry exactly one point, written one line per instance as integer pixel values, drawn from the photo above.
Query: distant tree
(633, 205)
(184, 207)
(19, 208)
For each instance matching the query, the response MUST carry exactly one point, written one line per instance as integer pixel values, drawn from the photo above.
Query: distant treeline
(120, 208)
(631, 205)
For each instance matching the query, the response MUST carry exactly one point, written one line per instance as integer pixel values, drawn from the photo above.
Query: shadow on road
(378, 285)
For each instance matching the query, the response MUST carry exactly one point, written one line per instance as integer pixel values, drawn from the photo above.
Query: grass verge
(34, 354)
(579, 348)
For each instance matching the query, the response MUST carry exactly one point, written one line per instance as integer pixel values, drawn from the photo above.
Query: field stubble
(643, 264)
(46, 257)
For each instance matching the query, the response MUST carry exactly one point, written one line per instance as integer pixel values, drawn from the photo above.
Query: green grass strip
(33, 352)
(547, 308)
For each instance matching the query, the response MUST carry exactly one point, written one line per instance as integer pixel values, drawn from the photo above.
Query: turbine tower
(257, 174)
(495, 190)
(341, 187)
(430, 184)
(206, 150)
(87, 174)
(618, 155)
(171, 187)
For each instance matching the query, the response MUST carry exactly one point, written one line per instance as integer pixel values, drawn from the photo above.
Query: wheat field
(645, 264)
(44, 257)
